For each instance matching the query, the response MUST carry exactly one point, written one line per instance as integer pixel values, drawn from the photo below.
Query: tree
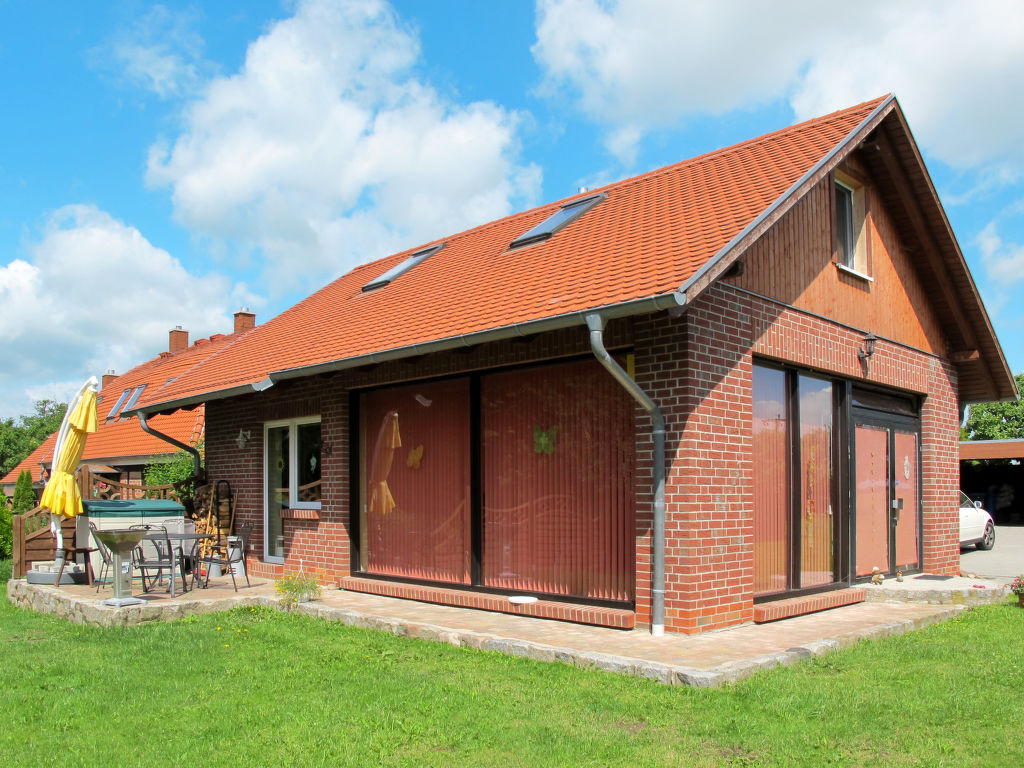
(6, 532)
(996, 421)
(24, 494)
(19, 439)
(178, 472)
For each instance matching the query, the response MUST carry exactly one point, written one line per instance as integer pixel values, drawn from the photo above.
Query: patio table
(180, 538)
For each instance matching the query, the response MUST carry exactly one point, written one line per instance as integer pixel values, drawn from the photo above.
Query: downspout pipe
(595, 323)
(197, 462)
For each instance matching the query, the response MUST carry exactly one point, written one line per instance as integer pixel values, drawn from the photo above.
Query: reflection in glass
(414, 478)
(816, 551)
(558, 482)
(771, 486)
(277, 474)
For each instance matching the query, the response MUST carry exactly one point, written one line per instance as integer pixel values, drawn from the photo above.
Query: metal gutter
(784, 198)
(197, 462)
(646, 305)
(596, 323)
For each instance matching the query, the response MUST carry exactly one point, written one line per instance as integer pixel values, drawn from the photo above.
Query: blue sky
(173, 163)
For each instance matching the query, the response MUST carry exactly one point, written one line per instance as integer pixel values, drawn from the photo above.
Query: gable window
(400, 269)
(292, 473)
(850, 219)
(560, 219)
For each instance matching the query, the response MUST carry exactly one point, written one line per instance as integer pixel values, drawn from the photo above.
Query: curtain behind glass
(415, 500)
(817, 557)
(771, 484)
(558, 454)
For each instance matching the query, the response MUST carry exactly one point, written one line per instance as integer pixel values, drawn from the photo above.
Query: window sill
(299, 514)
(854, 273)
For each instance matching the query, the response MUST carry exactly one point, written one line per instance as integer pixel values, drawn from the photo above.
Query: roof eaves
(712, 269)
(641, 306)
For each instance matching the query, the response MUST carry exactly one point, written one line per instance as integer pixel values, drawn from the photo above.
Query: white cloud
(1003, 262)
(324, 150)
(640, 65)
(159, 52)
(94, 295)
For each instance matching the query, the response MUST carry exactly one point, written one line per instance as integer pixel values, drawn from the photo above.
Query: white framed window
(292, 477)
(850, 221)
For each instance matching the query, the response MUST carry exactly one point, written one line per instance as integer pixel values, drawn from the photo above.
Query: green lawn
(257, 687)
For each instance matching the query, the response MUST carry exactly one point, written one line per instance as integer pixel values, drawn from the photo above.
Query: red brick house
(120, 449)
(664, 402)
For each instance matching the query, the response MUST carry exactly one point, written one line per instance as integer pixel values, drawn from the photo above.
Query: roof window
(563, 217)
(135, 397)
(118, 404)
(400, 269)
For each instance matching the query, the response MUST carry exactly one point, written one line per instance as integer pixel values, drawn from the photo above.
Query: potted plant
(297, 588)
(1017, 587)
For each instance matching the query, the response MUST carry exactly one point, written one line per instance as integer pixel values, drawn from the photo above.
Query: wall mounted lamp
(869, 347)
(243, 438)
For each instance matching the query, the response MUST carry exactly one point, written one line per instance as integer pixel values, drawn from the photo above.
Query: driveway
(1004, 561)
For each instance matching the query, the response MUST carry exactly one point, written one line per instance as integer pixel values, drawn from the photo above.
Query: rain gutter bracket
(596, 323)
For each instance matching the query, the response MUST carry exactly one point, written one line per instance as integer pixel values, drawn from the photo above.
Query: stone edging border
(47, 599)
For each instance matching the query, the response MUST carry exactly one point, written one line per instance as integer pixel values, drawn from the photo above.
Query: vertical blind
(771, 508)
(415, 516)
(557, 472)
(558, 482)
(816, 546)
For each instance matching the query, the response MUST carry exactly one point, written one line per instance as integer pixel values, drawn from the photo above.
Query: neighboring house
(445, 424)
(119, 450)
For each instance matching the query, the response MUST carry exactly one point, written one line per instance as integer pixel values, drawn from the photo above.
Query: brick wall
(698, 367)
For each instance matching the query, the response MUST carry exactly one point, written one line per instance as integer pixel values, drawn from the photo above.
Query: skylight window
(400, 269)
(117, 405)
(135, 396)
(563, 217)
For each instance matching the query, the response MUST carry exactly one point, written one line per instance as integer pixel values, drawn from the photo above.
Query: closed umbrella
(61, 494)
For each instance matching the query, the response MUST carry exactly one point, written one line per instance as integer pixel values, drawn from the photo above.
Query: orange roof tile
(651, 234)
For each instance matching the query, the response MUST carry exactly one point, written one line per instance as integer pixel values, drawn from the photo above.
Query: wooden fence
(32, 539)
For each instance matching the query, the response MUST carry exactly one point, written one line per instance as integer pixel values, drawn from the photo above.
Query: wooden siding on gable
(794, 263)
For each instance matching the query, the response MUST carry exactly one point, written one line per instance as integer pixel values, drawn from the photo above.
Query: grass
(259, 687)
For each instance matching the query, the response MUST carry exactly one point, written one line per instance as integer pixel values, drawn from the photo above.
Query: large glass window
(292, 472)
(771, 483)
(558, 482)
(794, 529)
(520, 480)
(415, 501)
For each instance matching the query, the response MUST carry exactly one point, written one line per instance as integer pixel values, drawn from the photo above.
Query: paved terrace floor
(709, 659)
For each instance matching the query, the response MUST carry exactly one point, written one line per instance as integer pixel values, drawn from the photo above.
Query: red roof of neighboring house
(664, 234)
(122, 440)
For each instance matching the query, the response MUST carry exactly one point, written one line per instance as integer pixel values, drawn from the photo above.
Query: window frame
(543, 230)
(293, 474)
(855, 243)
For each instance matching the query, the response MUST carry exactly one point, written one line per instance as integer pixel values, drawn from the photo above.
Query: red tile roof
(651, 234)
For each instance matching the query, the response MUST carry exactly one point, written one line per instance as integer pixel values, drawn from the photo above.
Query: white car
(976, 526)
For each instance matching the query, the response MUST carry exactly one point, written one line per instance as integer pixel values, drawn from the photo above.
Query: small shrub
(297, 587)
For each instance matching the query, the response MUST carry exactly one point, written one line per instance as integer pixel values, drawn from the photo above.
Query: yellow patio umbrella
(61, 494)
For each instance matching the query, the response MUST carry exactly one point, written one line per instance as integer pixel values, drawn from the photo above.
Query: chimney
(244, 320)
(178, 340)
(108, 377)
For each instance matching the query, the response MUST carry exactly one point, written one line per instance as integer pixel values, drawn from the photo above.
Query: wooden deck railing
(32, 539)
